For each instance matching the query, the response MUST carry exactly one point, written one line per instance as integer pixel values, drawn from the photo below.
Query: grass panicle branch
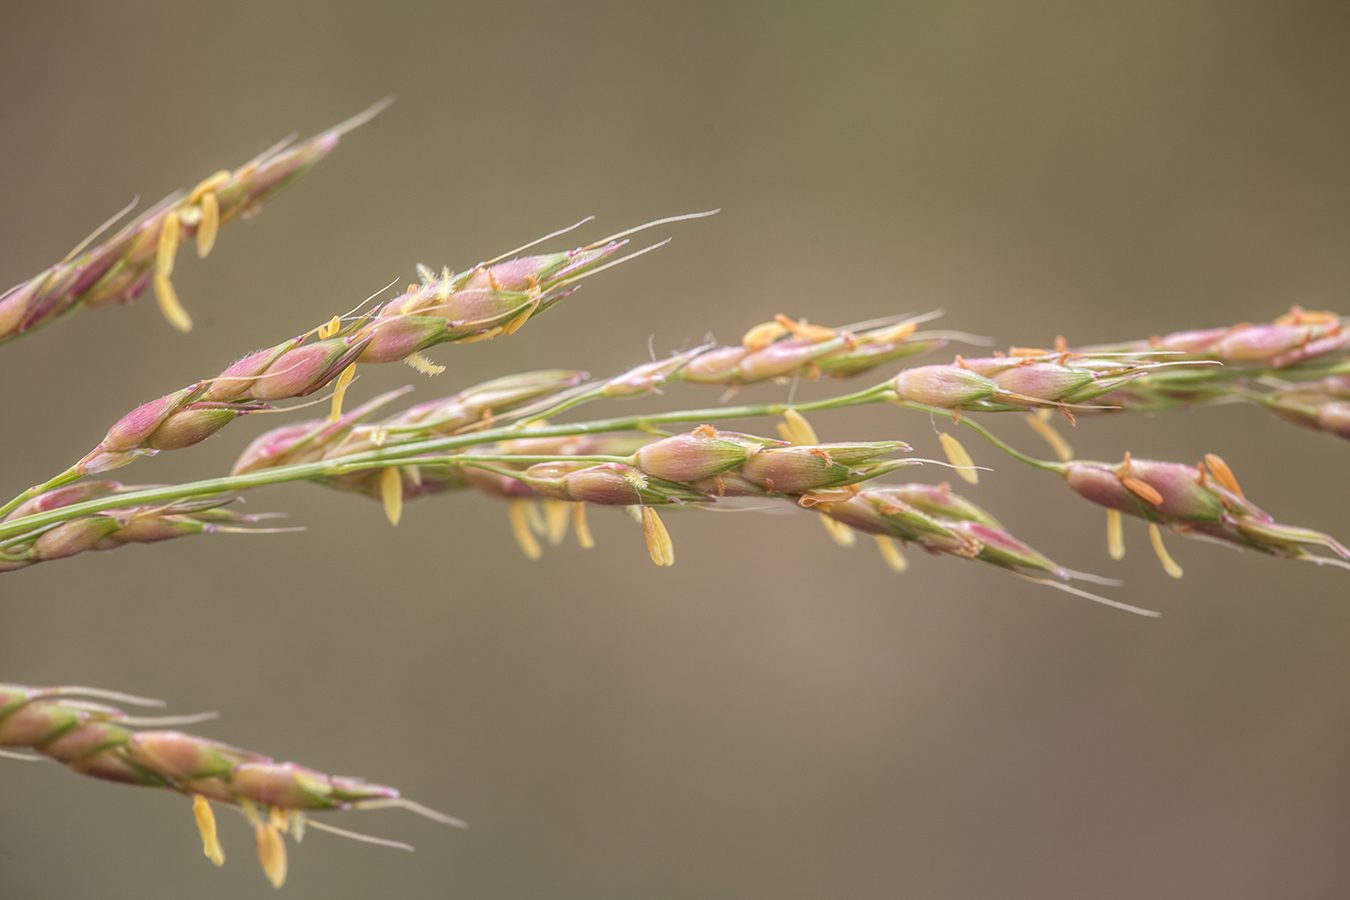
(507, 438)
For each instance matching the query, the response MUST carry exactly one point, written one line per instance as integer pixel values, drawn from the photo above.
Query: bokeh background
(774, 716)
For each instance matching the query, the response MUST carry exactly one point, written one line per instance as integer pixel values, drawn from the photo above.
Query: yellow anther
(658, 539)
(580, 527)
(340, 391)
(517, 512)
(839, 532)
(330, 328)
(271, 852)
(890, 551)
(796, 430)
(495, 331)
(515, 324)
(206, 824)
(807, 332)
(555, 520)
(1041, 425)
(762, 336)
(209, 225)
(1169, 565)
(890, 333)
(1115, 534)
(1142, 489)
(279, 819)
(209, 186)
(167, 248)
(1297, 315)
(1027, 351)
(423, 364)
(958, 457)
(535, 517)
(297, 819)
(1222, 474)
(391, 492)
(167, 298)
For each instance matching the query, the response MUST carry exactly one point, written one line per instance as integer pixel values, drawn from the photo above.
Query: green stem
(989, 436)
(66, 477)
(407, 454)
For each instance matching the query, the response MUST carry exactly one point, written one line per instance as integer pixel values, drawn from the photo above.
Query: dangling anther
(1115, 534)
(1169, 565)
(206, 824)
(209, 225)
(958, 457)
(340, 391)
(659, 545)
(840, 533)
(580, 527)
(167, 298)
(391, 493)
(891, 553)
(555, 519)
(271, 852)
(167, 249)
(1039, 422)
(517, 512)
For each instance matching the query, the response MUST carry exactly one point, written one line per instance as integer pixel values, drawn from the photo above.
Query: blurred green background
(774, 716)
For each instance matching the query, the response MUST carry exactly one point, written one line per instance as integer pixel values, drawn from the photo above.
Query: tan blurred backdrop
(774, 716)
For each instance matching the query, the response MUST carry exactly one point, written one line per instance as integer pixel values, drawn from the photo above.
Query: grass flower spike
(102, 741)
(120, 268)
